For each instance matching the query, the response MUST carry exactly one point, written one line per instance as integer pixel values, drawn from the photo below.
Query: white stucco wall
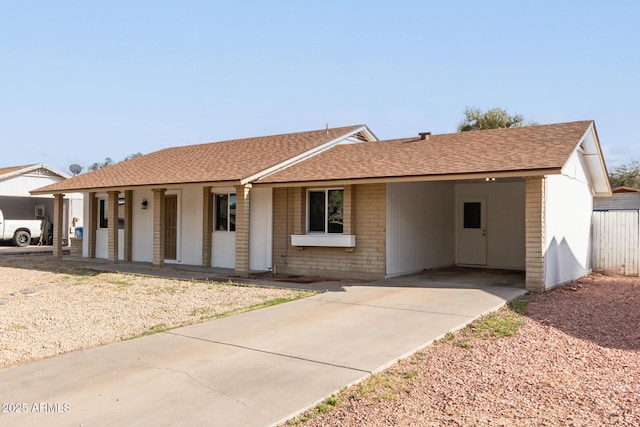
(569, 204)
(189, 244)
(190, 226)
(21, 185)
(261, 229)
(142, 231)
(504, 220)
(420, 226)
(189, 249)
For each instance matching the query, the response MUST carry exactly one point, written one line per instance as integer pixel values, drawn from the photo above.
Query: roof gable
(588, 148)
(542, 149)
(233, 162)
(35, 169)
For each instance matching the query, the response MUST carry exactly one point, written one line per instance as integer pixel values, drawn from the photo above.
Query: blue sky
(81, 81)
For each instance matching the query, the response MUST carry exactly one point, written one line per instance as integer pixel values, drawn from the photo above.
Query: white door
(471, 231)
(260, 236)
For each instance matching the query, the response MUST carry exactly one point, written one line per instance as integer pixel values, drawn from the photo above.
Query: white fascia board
(416, 178)
(594, 161)
(307, 154)
(56, 171)
(18, 172)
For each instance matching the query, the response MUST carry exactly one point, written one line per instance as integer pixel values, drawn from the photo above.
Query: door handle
(484, 232)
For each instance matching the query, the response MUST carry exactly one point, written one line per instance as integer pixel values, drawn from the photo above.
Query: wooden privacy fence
(616, 242)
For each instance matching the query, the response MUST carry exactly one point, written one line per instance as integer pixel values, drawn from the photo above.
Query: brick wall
(91, 224)
(365, 212)
(207, 225)
(534, 233)
(243, 206)
(158, 226)
(57, 224)
(112, 231)
(128, 224)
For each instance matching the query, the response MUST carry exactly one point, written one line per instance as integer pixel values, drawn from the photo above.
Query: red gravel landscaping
(575, 361)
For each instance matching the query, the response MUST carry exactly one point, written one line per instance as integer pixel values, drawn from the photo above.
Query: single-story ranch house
(338, 202)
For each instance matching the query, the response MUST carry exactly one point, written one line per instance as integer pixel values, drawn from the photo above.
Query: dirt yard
(574, 360)
(48, 308)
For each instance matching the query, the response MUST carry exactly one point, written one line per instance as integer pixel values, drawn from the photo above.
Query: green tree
(131, 156)
(494, 118)
(97, 165)
(108, 161)
(627, 175)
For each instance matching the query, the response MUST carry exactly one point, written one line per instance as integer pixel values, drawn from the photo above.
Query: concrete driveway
(253, 369)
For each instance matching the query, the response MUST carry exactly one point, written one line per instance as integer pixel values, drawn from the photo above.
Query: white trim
(32, 168)
(326, 240)
(307, 154)
(417, 178)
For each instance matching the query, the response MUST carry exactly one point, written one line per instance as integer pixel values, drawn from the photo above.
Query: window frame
(103, 213)
(326, 211)
(230, 225)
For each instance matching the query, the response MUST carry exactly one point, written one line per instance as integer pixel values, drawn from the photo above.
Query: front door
(471, 231)
(171, 226)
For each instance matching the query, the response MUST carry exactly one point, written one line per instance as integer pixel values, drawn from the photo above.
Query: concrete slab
(253, 369)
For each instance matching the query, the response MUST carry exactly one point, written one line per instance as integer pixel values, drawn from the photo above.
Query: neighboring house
(16, 202)
(340, 203)
(623, 198)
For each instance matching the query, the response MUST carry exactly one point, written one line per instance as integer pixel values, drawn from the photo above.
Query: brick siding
(534, 233)
(242, 229)
(365, 215)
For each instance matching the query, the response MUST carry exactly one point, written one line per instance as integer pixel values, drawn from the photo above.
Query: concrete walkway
(253, 369)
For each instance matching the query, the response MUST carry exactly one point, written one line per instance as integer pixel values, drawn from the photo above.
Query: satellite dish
(75, 169)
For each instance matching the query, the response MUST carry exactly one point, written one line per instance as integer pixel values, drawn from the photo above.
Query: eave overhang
(415, 178)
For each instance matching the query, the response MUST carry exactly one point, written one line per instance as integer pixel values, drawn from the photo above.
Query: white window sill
(327, 240)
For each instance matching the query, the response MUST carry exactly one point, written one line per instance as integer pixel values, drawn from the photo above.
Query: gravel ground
(574, 361)
(48, 308)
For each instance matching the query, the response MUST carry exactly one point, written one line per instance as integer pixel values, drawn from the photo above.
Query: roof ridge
(258, 137)
(515, 128)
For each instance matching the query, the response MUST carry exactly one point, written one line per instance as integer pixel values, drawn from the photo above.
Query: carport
(473, 223)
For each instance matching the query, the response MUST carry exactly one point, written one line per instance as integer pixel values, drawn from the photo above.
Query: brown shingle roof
(231, 160)
(10, 169)
(498, 150)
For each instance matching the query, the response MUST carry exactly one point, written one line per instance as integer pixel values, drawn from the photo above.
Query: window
(103, 221)
(325, 211)
(225, 212)
(472, 215)
(103, 213)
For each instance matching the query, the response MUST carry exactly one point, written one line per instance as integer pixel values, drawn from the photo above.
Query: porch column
(128, 224)
(535, 233)
(91, 225)
(158, 226)
(347, 213)
(112, 226)
(207, 225)
(242, 229)
(299, 211)
(58, 214)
